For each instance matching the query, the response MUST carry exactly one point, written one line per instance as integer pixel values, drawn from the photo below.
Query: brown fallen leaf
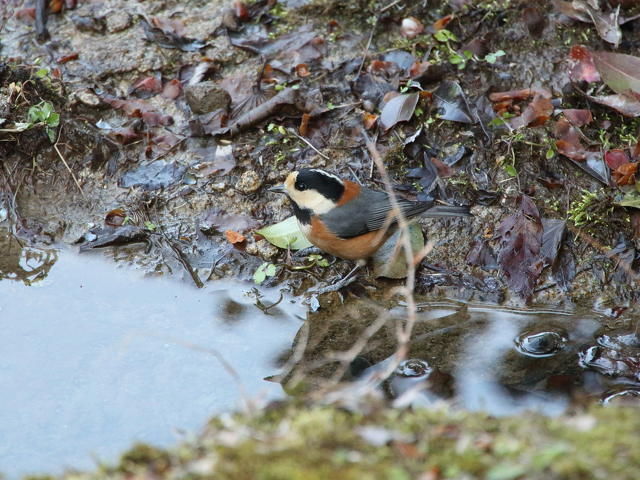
(304, 125)
(578, 117)
(519, 248)
(233, 237)
(442, 22)
(369, 120)
(536, 113)
(302, 70)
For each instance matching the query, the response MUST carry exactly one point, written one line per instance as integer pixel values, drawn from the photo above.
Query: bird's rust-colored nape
(351, 191)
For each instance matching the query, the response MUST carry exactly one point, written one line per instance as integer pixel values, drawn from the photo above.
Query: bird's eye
(301, 186)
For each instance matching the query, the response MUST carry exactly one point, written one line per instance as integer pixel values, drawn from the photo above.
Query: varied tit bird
(344, 219)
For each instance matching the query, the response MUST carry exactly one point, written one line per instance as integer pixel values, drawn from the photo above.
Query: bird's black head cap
(325, 183)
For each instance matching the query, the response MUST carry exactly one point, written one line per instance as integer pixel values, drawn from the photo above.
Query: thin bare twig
(300, 137)
(403, 334)
(55, 146)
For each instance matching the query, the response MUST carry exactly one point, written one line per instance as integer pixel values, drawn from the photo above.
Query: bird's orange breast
(356, 248)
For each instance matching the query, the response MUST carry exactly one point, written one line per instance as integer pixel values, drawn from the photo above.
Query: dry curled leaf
(369, 120)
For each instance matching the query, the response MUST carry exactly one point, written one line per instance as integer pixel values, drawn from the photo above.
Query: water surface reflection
(95, 357)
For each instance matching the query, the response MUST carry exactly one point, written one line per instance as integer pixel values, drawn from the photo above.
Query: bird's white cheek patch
(314, 201)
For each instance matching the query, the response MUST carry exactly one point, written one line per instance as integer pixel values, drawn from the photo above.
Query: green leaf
(511, 170)
(150, 225)
(51, 133)
(631, 199)
(285, 234)
(259, 275)
(550, 153)
(263, 271)
(441, 35)
(493, 56)
(53, 120)
(43, 72)
(506, 471)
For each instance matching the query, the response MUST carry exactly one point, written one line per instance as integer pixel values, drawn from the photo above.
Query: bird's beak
(278, 189)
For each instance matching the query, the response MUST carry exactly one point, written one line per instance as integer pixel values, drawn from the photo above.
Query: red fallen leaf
(523, 94)
(139, 109)
(234, 237)
(115, 217)
(425, 95)
(369, 120)
(519, 248)
(578, 117)
(418, 68)
(444, 170)
(151, 84)
(574, 152)
(55, 6)
(124, 135)
(503, 107)
(241, 11)
(411, 27)
(636, 151)
(56, 73)
(616, 158)
(332, 25)
(304, 125)
(172, 89)
(536, 113)
(26, 14)
(68, 58)
(583, 68)
(625, 174)
(161, 143)
(379, 66)
(442, 22)
(302, 70)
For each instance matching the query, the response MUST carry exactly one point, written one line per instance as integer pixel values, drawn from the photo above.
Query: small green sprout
(493, 56)
(150, 226)
(43, 114)
(263, 271)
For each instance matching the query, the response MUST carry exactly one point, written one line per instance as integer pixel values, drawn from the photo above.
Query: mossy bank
(294, 442)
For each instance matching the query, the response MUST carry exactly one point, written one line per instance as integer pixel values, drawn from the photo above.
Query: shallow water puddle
(95, 357)
(498, 360)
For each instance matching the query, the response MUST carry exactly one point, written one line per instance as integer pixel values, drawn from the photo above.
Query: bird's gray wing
(368, 212)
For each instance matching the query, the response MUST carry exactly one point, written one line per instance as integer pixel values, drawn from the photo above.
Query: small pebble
(249, 182)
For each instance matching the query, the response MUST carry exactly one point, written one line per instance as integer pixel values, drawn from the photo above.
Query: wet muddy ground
(141, 133)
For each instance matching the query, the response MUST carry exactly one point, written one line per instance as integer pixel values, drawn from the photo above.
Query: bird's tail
(448, 211)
